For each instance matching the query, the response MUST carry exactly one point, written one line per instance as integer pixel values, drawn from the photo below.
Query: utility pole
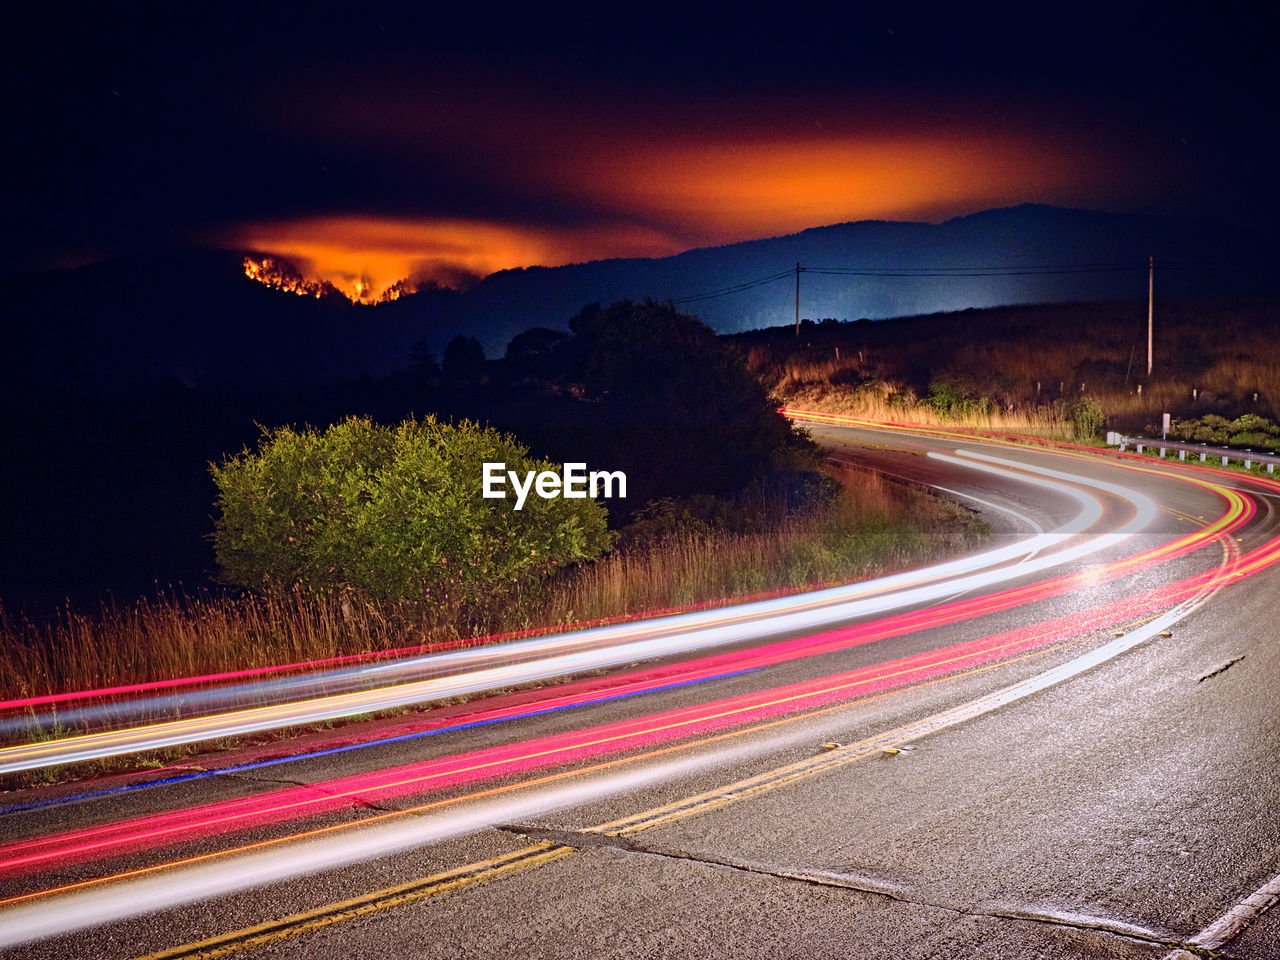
(1151, 304)
(797, 301)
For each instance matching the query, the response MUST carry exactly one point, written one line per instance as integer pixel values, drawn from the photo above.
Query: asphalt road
(1014, 763)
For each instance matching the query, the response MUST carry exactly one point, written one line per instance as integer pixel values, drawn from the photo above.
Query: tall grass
(873, 527)
(881, 401)
(1032, 362)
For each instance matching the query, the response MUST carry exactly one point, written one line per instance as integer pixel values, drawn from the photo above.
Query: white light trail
(542, 658)
(80, 910)
(94, 906)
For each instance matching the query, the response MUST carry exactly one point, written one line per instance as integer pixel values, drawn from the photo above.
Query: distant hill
(1193, 260)
(192, 317)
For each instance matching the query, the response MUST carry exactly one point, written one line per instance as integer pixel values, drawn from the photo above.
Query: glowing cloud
(621, 174)
(364, 257)
(730, 191)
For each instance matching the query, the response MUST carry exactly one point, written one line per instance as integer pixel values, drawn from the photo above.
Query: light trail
(402, 670)
(453, 771)
(201, 879)
(41, 912)
(715, 667)
(523, 757)
(528, 661)
(87, 903)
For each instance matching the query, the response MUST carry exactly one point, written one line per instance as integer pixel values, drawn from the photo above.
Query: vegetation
(1248, 431)
(673, 406)
(871, 526)
(1031, 367)
(394, 512)
(1087, 418)
(361, 537)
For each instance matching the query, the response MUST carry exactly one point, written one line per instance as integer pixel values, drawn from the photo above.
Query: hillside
(194, 318)
(1029, 363)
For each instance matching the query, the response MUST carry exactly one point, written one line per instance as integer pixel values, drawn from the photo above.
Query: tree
(393, 511)
(534, 343)
(685, 414)
(464, 360)
(535, 354)
(422, 361)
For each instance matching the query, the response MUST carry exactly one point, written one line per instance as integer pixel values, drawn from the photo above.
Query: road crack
(585, 840)
(1222, 669)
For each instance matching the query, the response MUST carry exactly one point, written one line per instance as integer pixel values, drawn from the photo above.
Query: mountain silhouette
(1193, 260)
(123, 379)
(194, 318)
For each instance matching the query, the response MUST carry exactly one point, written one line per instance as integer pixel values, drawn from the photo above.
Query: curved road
(1067, 746)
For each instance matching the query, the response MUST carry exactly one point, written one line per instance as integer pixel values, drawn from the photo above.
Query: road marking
(994, 506)
(527, 858)
(785, 775)
(914, 451)
(772, 779)
(230, 943)
(1233, 923)
(902, 735)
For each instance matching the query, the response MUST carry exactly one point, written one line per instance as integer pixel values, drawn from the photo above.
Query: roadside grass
(881, 402)
(1023, 367)
(874, 526)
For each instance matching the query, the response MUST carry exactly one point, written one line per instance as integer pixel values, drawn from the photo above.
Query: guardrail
(1200, 451)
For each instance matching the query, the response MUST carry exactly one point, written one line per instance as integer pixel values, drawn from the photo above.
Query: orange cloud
(655, 196)
(365, 255)
(718, 192)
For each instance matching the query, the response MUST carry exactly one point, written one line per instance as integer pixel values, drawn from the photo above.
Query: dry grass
(876, 526)
(1030, 363)
(879, 401)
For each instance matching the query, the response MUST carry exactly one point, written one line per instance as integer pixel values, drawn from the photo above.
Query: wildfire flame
(283, 276)
(280, 276)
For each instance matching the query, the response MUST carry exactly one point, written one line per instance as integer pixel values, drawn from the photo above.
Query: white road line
(994, 506)
(1233, 923)
(95, 906)
(543, 658)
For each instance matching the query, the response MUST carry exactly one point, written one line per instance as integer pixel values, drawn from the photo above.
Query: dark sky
(388, 140)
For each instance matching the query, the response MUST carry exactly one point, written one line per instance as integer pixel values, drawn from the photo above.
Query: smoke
(437, 272)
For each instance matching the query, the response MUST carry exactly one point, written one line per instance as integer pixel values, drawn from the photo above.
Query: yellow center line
(538, 854)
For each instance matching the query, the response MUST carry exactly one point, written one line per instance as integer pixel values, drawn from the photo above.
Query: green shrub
(948, 399)
(393, 511)
(1248, 438)
(1087, 418)
(1249, 430)
(1252, 423)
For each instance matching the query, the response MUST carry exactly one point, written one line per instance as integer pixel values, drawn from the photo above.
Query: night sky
(447, 142)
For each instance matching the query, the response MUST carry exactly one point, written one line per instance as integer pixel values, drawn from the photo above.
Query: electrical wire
(992, 270)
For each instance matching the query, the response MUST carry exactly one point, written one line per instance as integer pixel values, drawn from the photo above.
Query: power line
(912, 273)
(736, 288)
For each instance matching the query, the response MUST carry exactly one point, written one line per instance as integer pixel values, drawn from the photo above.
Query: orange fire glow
(281, 276)
(653, 196)
(371, 259)
(722, 192)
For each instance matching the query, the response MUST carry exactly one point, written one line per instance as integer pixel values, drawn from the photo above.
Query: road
(1067, 747)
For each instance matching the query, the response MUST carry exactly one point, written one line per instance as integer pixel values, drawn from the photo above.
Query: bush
(948, 399)
(1087, 418)
(393, 511)
(1249, 430)
(673, 407)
